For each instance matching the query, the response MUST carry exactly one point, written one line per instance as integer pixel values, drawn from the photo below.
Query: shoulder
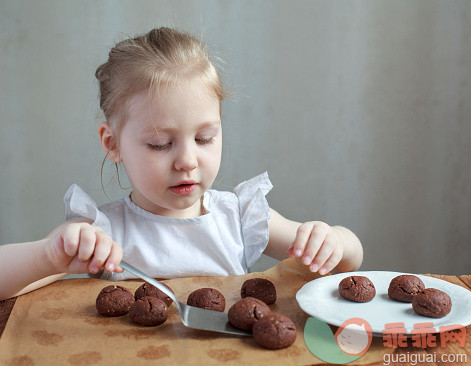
(116, 212)
(221, 197)
(112, 206)
(258, 184)
(221, 201)
(247, 194)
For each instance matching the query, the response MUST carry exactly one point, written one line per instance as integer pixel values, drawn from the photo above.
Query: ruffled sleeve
(79, 204)
(254, 215)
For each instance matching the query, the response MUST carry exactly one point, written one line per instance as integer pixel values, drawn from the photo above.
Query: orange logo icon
(354, 336)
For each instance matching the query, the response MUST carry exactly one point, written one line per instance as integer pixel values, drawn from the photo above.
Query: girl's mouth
(183, 188)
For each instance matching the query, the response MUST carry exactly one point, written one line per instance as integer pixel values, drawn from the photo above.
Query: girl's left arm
(321, 247)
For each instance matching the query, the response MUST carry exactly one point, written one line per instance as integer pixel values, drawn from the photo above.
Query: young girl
(161, 96)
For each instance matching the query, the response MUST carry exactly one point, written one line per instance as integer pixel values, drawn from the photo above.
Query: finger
(290, 252)
(102, 251)
(332, 262)
(71, 239)
(114, 259)
(57, 252)
(302, 236)
(87, 243)
(326, 250)
(318, 235)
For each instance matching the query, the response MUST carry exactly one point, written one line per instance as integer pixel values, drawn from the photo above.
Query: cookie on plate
(207, 298)
(357, 289)
(244, 313)
(114, 300)
(274, 331)
(148, 311)
(147, 289)
(405, 287)
(260, 288)
(432, 303)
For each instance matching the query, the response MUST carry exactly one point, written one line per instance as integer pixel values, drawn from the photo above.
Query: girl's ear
(108, 142)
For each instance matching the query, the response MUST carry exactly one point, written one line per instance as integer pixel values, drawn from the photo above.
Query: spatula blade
(211, 320)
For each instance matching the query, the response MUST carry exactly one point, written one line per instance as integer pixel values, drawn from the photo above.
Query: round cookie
(274, 331)
(114, 301)
(259, 288)
(207, 298)
(357, 289)
(244, 313)
(432, 303)
(405, 287)
(148, 311)
(147, 289)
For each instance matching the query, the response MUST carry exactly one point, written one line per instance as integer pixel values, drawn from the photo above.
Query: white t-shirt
(227, 240)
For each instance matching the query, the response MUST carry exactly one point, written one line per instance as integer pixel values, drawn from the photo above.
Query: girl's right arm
(73, 247)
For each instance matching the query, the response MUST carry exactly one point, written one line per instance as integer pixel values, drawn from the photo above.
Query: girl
(161, 96)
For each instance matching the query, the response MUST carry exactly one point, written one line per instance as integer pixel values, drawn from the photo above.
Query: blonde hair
(163, 56)
(160, 57)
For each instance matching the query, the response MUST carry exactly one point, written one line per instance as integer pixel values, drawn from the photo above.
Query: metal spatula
(192, 317)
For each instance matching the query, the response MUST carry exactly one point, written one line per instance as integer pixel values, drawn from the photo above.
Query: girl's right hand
(78, 247)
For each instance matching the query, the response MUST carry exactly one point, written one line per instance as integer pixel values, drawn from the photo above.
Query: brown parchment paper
(59, 325)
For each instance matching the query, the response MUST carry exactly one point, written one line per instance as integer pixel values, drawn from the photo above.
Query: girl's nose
(186, 158)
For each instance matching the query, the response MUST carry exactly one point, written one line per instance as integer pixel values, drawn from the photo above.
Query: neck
(195, 210)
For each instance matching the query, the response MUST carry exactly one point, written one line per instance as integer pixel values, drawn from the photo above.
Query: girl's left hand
(319, 246)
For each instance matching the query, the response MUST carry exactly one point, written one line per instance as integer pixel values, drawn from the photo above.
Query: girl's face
(171, 148)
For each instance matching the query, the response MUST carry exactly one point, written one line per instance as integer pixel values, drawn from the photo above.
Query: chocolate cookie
(244, 313)
(357, 289)
(150, 290)
(207, 298)
(114, 301)
(148, 311)
(432, 303)
(259, 288)
(274, 331)
(405, 287)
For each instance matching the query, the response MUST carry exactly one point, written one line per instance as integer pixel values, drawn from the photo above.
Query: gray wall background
(359, 110)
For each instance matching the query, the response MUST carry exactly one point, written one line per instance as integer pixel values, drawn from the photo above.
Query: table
(6, 307)
(452, 349)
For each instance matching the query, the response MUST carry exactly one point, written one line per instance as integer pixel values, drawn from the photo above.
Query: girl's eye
(205, 141)
(160, 147)
(167, 145)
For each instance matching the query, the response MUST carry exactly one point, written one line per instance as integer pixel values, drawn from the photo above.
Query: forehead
(173, 106)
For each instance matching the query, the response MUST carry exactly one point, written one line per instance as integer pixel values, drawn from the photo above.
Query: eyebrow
(154, 129)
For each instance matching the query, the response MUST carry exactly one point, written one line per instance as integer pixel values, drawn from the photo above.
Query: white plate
(320, 298)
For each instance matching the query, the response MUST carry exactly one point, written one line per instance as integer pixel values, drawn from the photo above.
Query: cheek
(138, 162)
(214, 157)
(146, 174)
